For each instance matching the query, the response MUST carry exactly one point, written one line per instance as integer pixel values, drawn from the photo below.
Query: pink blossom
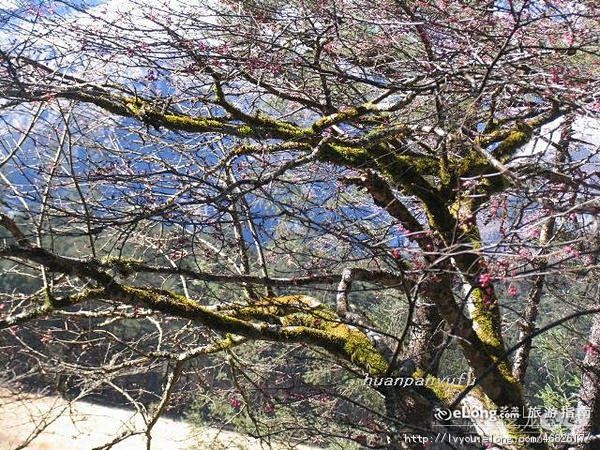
(494, 206)
(512, 290)
(485, 279)
(525, 253)
(235, 402)
(571, 251)
(268, 408)
(178, 254)
(568, 38)
(47, 337)
(419, 264)
(470, 183)
(591, 349)
(554, 71)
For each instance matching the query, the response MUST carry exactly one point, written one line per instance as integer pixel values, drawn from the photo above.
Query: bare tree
(181, 181)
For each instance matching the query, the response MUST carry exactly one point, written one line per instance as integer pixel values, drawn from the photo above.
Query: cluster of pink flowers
(571, 251)
(534, 232)
(269, 408)
(48, 97)
(419, 264)
(591, 349)
(485, 280)
(330, 48)
(471, 183)
(555, 73)
(178, 254)
(500, 267)
(512, 290)
(47, 337)
(525, 253)
(488, 300)
(235, 402)
(39, 9)
(255, 64)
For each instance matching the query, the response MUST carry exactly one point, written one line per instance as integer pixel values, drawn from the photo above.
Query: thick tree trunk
(589, 393)
(426, 336)
(410, 414)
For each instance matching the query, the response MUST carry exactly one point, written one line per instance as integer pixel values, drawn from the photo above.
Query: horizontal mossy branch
(48, 307)
(257, 121)
(306, 312)
(315, 328)
(339, 339)
(342, 116)
(355, 157)
(406, 172)
(510, 139)
(513, 141)
(57, 263)
(127, 266)
(343, 152)
(147, 112)
(444, 390)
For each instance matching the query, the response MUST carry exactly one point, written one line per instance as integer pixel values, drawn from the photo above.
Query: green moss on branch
(301, 319)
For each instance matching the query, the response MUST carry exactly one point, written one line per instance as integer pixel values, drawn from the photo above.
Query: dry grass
(85, 426)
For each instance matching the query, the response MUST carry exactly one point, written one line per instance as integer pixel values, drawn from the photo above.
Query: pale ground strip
(84, 426)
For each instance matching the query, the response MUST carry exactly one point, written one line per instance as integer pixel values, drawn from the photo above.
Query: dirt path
(85, 426)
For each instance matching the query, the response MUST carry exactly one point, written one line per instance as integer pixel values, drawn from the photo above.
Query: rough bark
(589, 392)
